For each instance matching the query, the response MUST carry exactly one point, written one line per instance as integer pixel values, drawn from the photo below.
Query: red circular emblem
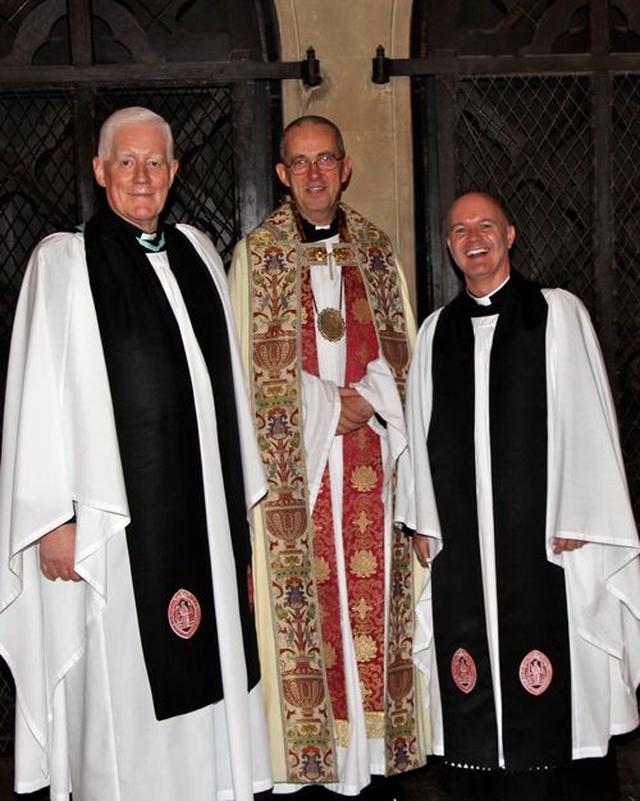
(463, 670)
(184, 614)
(536, 672)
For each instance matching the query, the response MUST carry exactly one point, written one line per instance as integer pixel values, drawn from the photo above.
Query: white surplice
(85, 720)
(587, 499)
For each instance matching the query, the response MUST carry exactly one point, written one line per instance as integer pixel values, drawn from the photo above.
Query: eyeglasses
(325, 162)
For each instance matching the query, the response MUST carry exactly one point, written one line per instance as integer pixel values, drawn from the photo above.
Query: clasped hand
(355, 411)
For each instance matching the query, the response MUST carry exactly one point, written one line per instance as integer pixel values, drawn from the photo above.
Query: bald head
(479, 237)
(477, 197)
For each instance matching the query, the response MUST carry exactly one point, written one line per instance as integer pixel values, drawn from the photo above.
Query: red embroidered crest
(250, 590)
(184, 614)
(463, 670)
(536, 672)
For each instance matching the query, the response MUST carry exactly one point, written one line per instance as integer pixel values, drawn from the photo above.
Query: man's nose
(141, 174)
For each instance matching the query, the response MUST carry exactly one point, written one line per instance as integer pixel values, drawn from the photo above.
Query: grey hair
(131, 116)
(311, 119)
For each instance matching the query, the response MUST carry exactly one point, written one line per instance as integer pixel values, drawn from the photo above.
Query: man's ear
(174, 166)
(281, 172)
(98, 170)
(345, 169)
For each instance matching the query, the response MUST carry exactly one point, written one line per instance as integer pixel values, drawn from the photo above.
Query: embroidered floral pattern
(364, 478)
(296, 570)
(363, 564)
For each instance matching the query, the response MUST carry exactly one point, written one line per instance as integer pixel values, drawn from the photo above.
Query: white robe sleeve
(588, 494)
(321, 413)
(416, 509)
(60, 455)
(588, 500)
(378, 387)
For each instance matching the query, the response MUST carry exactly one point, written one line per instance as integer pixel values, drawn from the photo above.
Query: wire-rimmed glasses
(325, 162)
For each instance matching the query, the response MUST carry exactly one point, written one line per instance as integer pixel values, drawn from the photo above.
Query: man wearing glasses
(324, 320)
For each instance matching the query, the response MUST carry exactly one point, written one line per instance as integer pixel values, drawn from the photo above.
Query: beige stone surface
(375, 119)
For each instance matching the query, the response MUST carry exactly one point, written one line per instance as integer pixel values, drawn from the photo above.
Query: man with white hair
(128, 468)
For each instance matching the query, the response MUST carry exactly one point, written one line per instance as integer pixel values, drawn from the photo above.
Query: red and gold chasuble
(301, 550)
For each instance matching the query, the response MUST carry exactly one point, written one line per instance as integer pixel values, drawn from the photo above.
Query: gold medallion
(331, 324)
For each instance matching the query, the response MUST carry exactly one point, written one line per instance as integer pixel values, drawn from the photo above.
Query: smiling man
(479, 238)
(324, 324)
(128, 464)
(530, 641)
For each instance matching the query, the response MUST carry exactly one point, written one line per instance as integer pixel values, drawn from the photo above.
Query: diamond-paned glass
(528, 140)
(625, 194)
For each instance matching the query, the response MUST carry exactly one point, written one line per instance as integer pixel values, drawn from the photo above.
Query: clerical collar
(152, 242)
(314, 233)
(488, 304)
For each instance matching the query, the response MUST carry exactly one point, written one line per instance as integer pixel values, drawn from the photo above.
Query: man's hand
(561, 544)
(57, 549)
(355, 413)
(421, 549)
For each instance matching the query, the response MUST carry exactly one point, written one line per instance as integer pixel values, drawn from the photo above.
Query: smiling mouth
(476, 252)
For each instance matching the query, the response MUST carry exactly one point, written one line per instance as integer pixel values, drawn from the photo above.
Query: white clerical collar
(485, 300)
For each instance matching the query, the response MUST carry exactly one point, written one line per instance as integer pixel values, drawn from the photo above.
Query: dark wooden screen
(539, 104)
(208, 67)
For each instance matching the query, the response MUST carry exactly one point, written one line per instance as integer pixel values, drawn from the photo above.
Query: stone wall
(375, 119)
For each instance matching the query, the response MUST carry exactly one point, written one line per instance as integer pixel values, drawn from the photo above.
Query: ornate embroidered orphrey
(331, 324)
(464, 671)
(536, 672)
(184, 614)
